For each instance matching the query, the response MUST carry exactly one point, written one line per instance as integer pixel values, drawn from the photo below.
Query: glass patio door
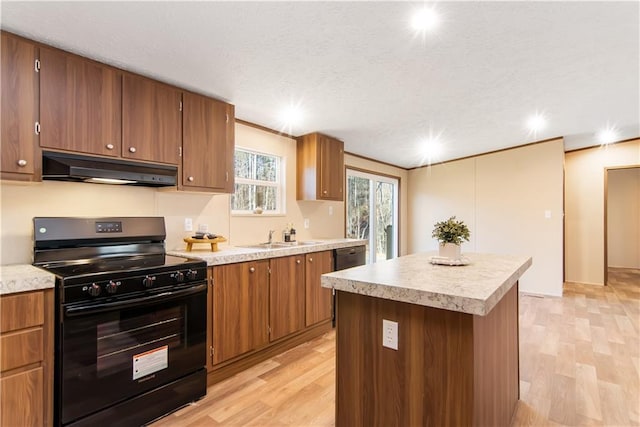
(372, 213)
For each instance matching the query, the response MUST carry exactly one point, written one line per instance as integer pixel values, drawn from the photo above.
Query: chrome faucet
(271, 236)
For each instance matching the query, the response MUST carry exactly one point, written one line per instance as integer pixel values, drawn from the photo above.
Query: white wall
(503, 198)
(584, 207)
(623, 218)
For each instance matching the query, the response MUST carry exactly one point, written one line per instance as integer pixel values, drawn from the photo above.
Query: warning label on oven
(150, 361)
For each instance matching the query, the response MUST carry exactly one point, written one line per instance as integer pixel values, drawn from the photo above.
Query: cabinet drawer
(20, 348)
(21, 311)
(22, 399)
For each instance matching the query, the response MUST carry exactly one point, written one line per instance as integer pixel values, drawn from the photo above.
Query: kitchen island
(456, 361)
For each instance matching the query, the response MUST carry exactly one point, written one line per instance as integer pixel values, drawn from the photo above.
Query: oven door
(110, 352)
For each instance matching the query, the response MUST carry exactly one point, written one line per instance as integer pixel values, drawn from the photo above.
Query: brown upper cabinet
(19, 108)
(151, 120)
(56, 100)
(320, 168)
(80, 104)
(207, 144)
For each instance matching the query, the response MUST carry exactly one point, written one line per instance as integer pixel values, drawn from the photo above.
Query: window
(258, 183)
(372, 213)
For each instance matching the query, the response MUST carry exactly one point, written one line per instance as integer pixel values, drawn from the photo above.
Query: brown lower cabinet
(286, 296)
(318, 299)
(26, 351)
(240, 308)
(258, 309)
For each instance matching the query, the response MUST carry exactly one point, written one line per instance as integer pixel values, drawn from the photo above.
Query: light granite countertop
(26, 277)
(232, 254)
(474, 289)
(23, 278)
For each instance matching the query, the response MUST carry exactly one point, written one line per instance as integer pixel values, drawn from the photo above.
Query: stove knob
(192, 274)
(148, 281)
(179, 276)
(94, 290)
(112, 287)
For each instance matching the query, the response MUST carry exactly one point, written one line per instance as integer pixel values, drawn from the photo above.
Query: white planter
(449, 250)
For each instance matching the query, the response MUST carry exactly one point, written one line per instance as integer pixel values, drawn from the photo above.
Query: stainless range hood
(73, 167)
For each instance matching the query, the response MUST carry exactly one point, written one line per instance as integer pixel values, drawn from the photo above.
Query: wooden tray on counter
(213, 242)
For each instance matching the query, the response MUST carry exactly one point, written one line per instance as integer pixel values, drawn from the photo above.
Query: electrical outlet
(188, 224)
(547, 214)
(203, 228)
(306, 223)
(330, 210)
(389, 334)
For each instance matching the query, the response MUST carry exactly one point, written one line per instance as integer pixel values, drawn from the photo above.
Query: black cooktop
(128, 265)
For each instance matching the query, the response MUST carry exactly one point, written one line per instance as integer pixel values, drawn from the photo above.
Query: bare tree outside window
(372, 213)
(258, 183)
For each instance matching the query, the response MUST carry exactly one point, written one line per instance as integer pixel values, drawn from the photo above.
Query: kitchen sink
(275, 245)
(278, 245)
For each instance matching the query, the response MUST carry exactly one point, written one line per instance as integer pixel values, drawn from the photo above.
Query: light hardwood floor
(579, 365)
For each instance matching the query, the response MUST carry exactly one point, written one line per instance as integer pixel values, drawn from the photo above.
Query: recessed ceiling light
(425, 19)
(608, 135)
(431, 149)
(536, 123)
(291, 116)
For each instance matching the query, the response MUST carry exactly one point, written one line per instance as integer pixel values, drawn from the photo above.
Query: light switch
(306, 223)
(547, 214)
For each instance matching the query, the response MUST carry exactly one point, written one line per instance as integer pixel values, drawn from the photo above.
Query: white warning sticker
(150, 361)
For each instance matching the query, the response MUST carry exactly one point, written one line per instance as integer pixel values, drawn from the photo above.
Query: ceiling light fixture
(431, 149)
(608, 135)
(425, 19)
(291, 116)
(536, 123)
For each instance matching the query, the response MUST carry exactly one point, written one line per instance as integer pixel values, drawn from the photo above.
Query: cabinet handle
(324, 192)
(297, 261)
(109, 146)
(310, 259)
(252, 269)
(22, 163)
(132, 149)
(190, 179)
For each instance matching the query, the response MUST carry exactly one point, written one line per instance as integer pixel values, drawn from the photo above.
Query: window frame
(278, 184)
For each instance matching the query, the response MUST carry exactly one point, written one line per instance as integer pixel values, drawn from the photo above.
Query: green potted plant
(450, 235)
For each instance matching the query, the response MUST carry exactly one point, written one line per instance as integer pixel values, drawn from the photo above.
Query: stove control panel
(115, 286)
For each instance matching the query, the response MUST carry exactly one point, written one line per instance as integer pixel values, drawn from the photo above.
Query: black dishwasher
(344, 258)
(349, 257)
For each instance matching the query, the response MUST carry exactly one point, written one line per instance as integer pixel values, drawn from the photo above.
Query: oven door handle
(137, 302)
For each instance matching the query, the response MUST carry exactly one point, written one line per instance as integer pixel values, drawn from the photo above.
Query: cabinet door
(207, 149)
(331, 169)
(22, 402)
(151, 120)
(80, 104)
(19, 105)
(318, 299)
(240, 308)
(286, 296)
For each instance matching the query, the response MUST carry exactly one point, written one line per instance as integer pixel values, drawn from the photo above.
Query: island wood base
(450, 368)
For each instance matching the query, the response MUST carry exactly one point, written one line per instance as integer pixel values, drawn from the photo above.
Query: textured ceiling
(361, 74)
